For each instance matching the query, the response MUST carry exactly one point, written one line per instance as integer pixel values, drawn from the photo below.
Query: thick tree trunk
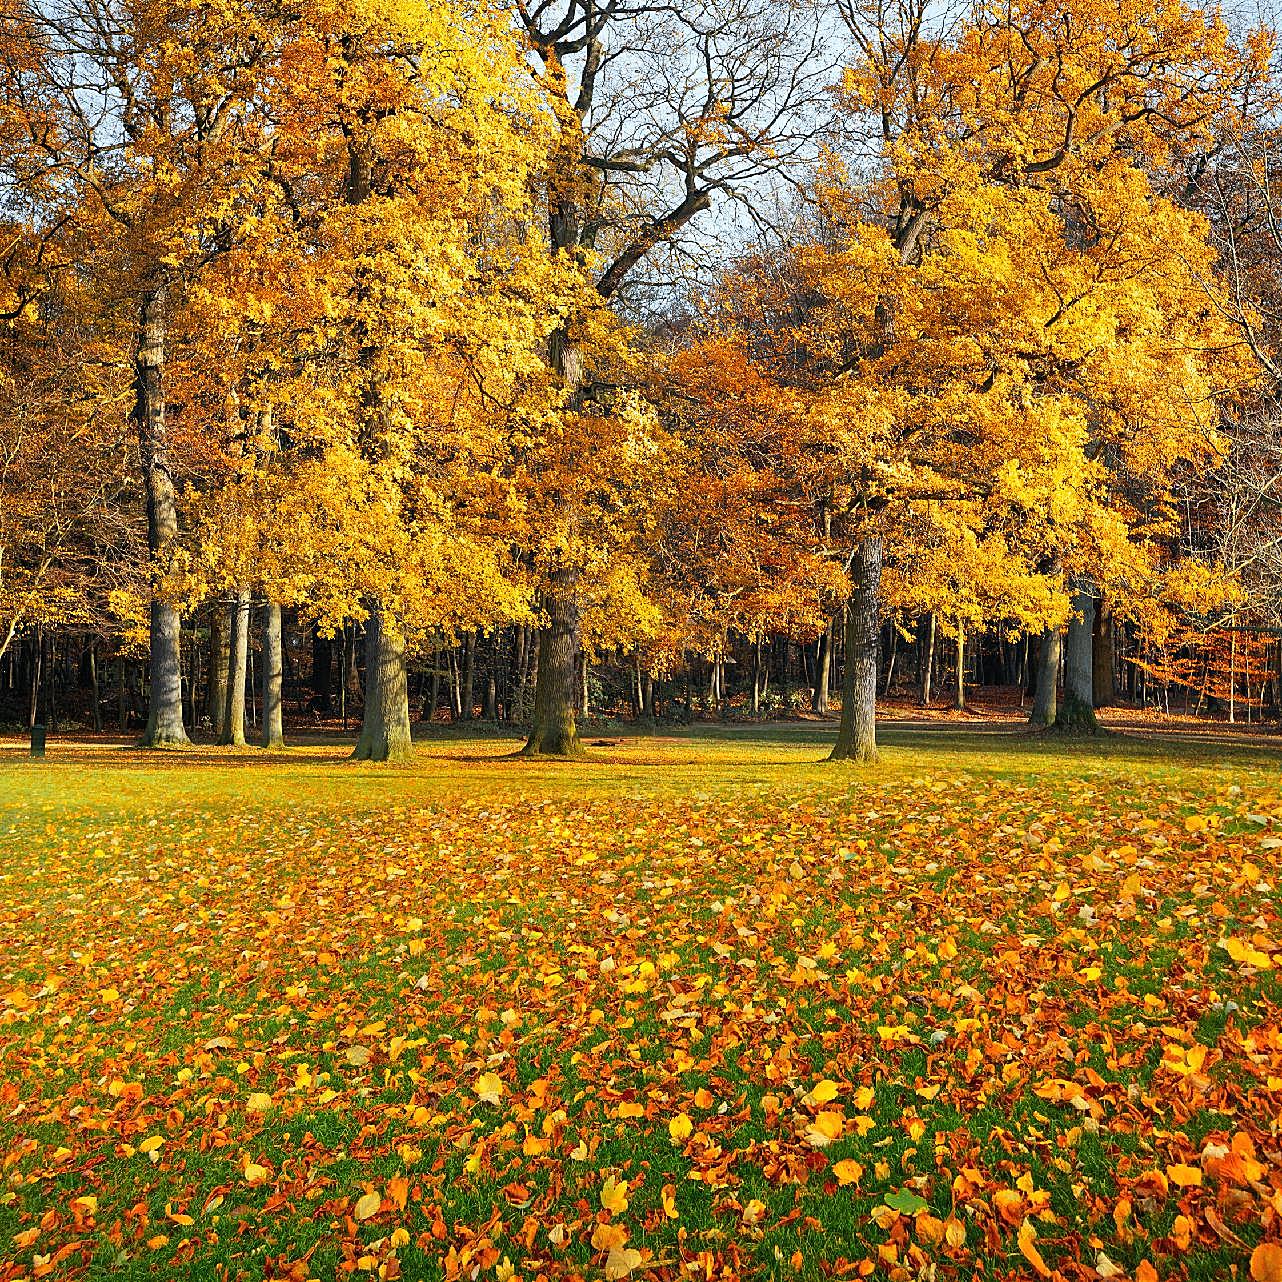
(165, 711)
(1077, 715)
(219, 646)
(273, 678)
(1046, 698)
(385, 728)
(233, 734)
(553, 732)
(857, 733)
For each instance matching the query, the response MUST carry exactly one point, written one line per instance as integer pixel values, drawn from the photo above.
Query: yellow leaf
(614, 1195)
(848, 1171)
(258, 1102)
(151, 1143)
(680, 1127)
(824, 1091)
(254, 1174)
(1243, 953)
(109, 995)
(605, 1237)
(1028, 1248)
(1184, 1176)
(826, 1127)
(669, 1199)
(1266, 1263)
(366, 1205)
(489, 1087)
(621, 1261)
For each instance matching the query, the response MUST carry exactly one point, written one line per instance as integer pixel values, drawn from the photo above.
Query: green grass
(956, 930)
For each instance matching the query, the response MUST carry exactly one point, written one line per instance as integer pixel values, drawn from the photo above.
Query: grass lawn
(700, 1007)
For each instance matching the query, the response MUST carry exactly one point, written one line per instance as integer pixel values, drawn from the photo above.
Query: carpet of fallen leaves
(953, 1018)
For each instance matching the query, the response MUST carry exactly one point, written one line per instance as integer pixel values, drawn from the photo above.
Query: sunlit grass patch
(702, 1007)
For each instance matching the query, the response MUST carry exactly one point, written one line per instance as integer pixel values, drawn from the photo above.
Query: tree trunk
(322, 674)
(553, 732)
(466, 706)
(429, 708)
(894, 654)
(928, 666)
(1046, 698)
(94, 686)
(959, 701)
(165, 711)
(219, 644)
(273, 674)
(1077, 715)
(233, 734)
(385, 727)
(353, 692)
(1105, 660)
(37, 667)
(823, 664)
(857, 733)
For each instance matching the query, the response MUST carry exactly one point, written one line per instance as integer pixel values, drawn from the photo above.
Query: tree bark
(823, 664)
(385, 726)
(928, 664)
(94, 685)
(1105, 660)
(233, 734)
(553, 731)
(1046, 698)
(959, 701)
(857, 733)
(466, 696)
(354, 692)
(273, 678)
(1077, 715)
(322, 674)
(219, 643)
(165, 706)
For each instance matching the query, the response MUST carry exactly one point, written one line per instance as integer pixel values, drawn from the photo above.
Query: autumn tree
(999, 257)
(153, 129)
(661, 113)
(392, 304)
